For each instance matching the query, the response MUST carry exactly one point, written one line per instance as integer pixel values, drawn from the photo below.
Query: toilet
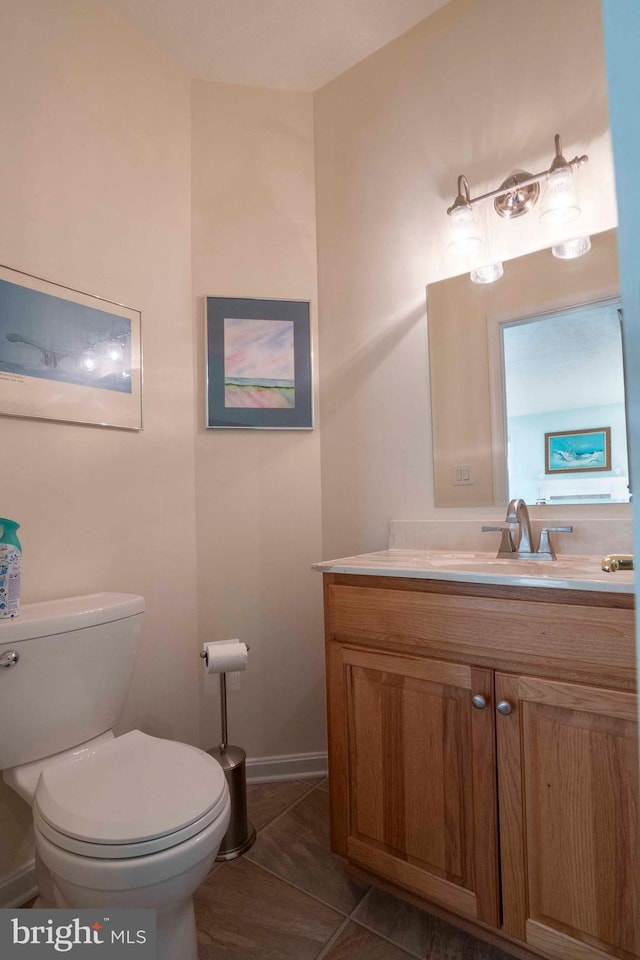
(128, 821)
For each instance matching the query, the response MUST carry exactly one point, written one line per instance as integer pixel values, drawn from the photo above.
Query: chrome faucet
(518, 516)
(518, 521)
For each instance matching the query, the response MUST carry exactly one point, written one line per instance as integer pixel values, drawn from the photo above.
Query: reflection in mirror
(564, 406)
(465, 322)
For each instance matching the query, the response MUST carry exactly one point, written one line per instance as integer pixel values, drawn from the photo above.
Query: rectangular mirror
(565, 407)
(466, 321)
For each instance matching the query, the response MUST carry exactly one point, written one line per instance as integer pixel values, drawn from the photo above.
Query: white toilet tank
(75, 660)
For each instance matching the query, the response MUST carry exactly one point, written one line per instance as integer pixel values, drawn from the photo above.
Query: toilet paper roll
(224, 656)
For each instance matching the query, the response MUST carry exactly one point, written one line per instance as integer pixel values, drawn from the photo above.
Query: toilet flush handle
(9, 658)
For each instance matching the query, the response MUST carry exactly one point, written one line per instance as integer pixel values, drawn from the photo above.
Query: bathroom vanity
(483, 752)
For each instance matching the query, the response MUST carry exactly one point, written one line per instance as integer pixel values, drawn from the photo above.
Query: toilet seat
(130, 797)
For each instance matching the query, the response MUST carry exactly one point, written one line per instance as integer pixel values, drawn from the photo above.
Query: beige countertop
(565, 573)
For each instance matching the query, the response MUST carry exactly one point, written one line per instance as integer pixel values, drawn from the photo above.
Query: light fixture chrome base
(516, 200)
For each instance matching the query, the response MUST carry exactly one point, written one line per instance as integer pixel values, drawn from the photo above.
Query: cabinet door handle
(504, 707)
(479, 701)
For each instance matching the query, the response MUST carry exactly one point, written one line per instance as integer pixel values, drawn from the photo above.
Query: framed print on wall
(578, 451)
(258, 364)
(67, 355)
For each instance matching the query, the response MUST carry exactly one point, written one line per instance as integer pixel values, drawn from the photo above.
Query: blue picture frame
(67, 355)
(578, 451)
(258, 359)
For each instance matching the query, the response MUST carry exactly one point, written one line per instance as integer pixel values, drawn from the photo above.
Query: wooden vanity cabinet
(569, 817)
(418, 773)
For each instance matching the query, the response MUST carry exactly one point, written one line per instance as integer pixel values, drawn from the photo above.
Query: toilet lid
(132, 789)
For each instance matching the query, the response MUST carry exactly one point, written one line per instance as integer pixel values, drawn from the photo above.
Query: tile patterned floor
(288, 898)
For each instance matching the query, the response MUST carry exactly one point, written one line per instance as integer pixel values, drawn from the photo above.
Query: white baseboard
(18, 887)
(293, 766)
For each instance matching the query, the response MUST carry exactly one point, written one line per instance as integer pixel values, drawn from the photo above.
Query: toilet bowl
(135, 821)
(128, 821)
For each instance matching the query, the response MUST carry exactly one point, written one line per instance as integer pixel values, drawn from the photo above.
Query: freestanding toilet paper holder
(240, 834)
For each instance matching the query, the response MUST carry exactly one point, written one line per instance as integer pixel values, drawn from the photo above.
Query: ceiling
(284, 44)
(563, 362)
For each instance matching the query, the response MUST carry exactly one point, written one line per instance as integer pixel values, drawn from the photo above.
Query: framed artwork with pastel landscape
(578, 451)
(258, 364)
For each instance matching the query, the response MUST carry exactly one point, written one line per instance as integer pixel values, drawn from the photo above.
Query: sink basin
(562, 566)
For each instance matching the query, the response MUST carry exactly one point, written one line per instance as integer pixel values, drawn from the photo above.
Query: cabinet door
(412, 768)
(569, 818)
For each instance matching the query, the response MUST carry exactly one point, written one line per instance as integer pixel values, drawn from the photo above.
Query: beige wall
(96, 195)
(456, 94)
(257, 491)
(94, 187)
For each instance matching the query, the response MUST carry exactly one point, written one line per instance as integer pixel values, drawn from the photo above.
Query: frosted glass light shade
(487, 274)
(560, 202)
(464, 235)
(570, 249)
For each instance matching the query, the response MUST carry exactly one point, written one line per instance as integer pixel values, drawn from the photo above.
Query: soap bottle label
(9, 581)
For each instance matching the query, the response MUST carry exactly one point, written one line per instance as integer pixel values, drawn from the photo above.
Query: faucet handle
(507, 545)
(610, 564)
(544, 546)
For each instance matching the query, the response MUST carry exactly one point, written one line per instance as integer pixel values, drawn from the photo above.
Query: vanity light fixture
(489, 273)
(570, 249)
(464, 233)
(514, 197)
